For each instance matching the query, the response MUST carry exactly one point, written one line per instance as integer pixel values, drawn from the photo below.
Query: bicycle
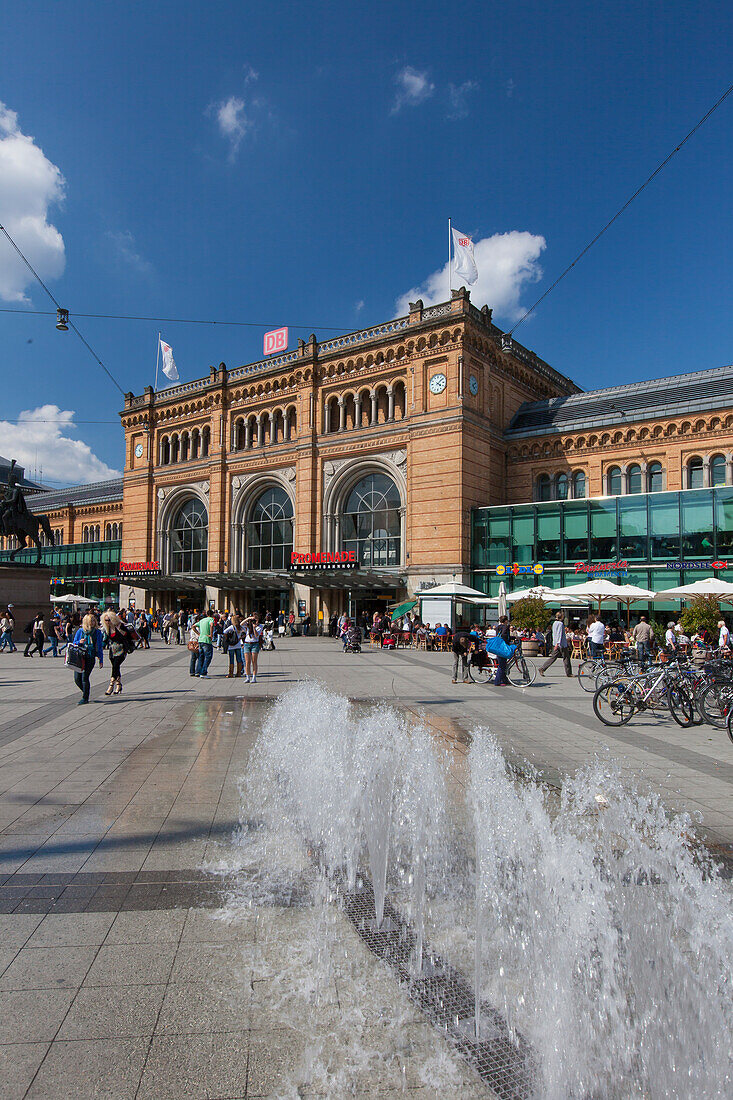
(617, 702)
(520, 672)
(596, 671)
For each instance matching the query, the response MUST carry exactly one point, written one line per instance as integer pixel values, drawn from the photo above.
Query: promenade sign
(322, 559)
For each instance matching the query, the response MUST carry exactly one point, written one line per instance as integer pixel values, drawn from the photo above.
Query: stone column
(273, 428)
(706, 472)
(357, 411)
(342, 414)
(729, 468)
(247, 434)
(373, 399)
(286, 427)
(261, 430)
(390, 403)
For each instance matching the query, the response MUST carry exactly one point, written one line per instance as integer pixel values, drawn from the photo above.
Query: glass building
(86, 569)
(665, 539)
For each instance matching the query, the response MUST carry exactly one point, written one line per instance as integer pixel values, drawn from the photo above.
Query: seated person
(441, 631)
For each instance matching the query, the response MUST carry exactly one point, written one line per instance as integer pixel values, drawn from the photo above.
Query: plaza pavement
(118, 976)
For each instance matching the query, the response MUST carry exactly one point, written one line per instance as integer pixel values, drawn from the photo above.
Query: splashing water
(587, 921)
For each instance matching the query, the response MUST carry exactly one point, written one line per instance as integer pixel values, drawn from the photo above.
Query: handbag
(74, 658)
(193, 645)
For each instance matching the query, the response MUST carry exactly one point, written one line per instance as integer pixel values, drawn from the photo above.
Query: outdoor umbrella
(540, 592)
(710, 586)
(453, 588)
(603, 590)
(502, 599)
(71, 598)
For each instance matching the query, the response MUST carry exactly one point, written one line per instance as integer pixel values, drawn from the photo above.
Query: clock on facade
(438, 383)
(139, 451)
(473, 384)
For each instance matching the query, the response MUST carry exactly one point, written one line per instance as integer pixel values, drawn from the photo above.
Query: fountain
(599, 944)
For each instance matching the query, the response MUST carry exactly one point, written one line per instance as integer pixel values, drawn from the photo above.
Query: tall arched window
(578, 484)
(561, 487)
(270, 531)
(614, 481)
(634, 478)
(371, 521)
(717, 470)
(654, 477)
(694, 473)
(189, 538)
(544, 487)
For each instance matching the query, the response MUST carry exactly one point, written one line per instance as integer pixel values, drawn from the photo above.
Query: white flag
(464, 264)
(169, 366)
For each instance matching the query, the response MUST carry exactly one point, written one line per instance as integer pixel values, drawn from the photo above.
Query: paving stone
(113, 1012)
(106, 1069)
(48, 968)
(155, 927)
(195, 1066)
(18, 1064)
(32, 1015)
(77, 930)
(120, 965)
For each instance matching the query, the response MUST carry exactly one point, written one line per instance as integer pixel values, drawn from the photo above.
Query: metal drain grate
(503, 1059)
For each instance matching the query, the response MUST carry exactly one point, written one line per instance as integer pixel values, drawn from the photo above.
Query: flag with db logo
(464, 264)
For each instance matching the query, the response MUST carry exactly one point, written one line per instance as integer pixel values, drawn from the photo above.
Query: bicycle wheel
(614, 703)
(521, 673)
(587, 672)
(715, 704)
(480, 674)
(681, 705)
(729, 724)
(608, 672)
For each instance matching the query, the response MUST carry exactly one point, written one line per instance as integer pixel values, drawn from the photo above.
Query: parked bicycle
(662, 688)
(520, 670)
(597, 671)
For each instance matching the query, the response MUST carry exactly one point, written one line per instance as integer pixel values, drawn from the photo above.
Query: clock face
(139, 451)
(473, 384)
(438, 383)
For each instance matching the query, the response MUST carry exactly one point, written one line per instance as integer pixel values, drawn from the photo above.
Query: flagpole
(157, 360)
(449, 249)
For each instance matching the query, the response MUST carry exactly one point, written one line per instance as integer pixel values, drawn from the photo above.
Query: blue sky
(296, 164)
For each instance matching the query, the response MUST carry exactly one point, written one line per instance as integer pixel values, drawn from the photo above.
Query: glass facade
(190, 538)
(647, 530)
(90, 569)
(270, 531)
(371, 522)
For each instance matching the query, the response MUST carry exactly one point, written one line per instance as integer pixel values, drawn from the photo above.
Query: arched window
(270, 531)
(614, 481)
(371, 521)
(634, 478)
(694, 473)
(544, 487)
(717, 470)
(561, 487)
(189, 538)
(578, 485)
(654, 477)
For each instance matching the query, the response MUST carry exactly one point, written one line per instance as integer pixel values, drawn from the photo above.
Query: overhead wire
(618, 213)
(175, 320)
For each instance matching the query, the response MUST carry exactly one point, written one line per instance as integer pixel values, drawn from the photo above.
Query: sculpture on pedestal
(17, 519)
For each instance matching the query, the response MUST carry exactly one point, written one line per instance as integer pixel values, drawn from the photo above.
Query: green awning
(402, 610)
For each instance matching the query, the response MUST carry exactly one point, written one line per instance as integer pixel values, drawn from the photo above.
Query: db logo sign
(275, 341)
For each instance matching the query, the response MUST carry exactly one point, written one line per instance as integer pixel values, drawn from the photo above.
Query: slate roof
(25, 482)
(98, 492)
(698, 391)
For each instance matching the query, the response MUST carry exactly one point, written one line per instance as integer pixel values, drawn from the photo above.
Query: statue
(17, 519)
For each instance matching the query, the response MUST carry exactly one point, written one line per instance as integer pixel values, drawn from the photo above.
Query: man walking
(206, 649)
(461, 646)
(560, 647)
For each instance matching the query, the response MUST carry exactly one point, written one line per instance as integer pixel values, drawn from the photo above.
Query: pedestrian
(306, 626)
(596, 632)
(461, 645)
(120, 643)
(670, 639)
(233, 639)
(6, 633)
(252, 636)
(560, 647)
(203, 627)
(89, 639)
(55, 636)
(36, 636)
(724, 636)
(500, 680)
(643, 636)
(291, 623)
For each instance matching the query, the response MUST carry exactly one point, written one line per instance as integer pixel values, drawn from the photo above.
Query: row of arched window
(365, 408)
(370, 526)
(634, 479)
(184, 446)
(704, 472)
(263, 429)
(562, 486)
(92, 532)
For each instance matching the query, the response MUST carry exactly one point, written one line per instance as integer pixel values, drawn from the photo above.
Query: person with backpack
(90, 640)
(232, 639)
(119, 642)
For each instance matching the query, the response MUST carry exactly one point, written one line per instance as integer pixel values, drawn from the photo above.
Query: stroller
(352, 640)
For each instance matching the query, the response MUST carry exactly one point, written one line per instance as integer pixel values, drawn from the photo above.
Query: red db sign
(275, 341)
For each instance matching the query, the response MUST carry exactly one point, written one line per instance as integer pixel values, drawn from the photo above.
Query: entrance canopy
(350, 580)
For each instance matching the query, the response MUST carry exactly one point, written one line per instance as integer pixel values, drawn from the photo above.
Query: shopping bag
(74, 657)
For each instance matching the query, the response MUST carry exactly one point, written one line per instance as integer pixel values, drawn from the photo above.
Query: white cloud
(29, 185)
(506, 262)
(126, 248)
(233, 122)
(413, 87)
(457, 98)
(40, 439)
(359, 305)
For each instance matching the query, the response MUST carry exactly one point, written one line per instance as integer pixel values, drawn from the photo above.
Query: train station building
(354, 473)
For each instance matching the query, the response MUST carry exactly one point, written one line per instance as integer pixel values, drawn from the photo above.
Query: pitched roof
(697, 391)
(97, 492)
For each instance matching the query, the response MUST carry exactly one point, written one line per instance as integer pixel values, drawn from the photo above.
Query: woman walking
(252, 632)
(118, 641)
(233, 636)
(89, 638)
(36, 637)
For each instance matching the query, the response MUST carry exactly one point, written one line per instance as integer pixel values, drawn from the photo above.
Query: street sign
(276, 341)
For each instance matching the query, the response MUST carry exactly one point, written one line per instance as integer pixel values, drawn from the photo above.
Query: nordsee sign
(708, 563)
